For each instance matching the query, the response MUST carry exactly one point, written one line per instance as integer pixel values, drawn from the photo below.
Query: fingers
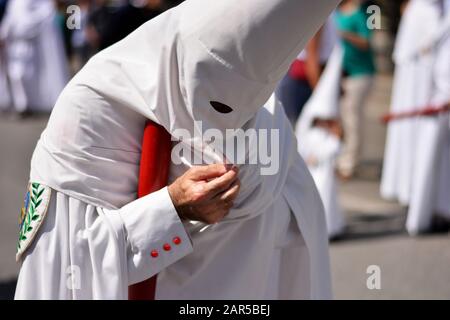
(215, 213)
(231, 193)
(205, 193)
(221, 183)
(198, 173)
(218, 207)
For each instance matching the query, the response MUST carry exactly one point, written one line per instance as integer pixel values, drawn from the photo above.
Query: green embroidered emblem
(32, 214)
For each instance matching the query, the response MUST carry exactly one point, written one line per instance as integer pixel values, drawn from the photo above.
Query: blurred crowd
(325, 93)
(44, 42)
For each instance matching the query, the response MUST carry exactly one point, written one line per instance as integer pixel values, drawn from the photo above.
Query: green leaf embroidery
(30, 215)
(40, 193)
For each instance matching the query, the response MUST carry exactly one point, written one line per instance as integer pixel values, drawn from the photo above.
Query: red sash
(427, 111)
(153, 175)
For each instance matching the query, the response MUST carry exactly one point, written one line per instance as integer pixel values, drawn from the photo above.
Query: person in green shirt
(359, 70)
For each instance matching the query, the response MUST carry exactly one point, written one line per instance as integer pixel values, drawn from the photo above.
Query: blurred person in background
(61, 18)
(359, 70)
(82, 49)
(297, 85)
(429, 205)
(97, 23)
(319, 135)
(128, 18)
(416, 163)
(33, 55)
(2, 8)
(5, 99)
(411, 88)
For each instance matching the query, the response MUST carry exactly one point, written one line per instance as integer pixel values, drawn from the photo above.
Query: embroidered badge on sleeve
(32, 215)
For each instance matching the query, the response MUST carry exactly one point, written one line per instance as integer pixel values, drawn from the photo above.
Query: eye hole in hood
(220, 107)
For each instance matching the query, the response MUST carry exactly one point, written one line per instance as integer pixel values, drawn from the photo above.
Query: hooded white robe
(5, 98)
(34, 56)
(411, 91)
(430, 191)
(321, 145)
(272, 244)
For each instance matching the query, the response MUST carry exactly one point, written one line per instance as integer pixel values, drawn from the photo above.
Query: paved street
(17, 140)
(410, 267)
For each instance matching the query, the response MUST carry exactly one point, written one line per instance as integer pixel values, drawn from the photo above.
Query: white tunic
(323, 172)
(321, 145)
(34, 56)
(430, 191)
(5, 97)
(168, 71)
(328, 39)
(411, 91)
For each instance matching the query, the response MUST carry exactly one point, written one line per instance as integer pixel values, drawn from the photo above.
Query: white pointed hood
(414, 39)
(243, 50)
(216, 62)
(324, 102)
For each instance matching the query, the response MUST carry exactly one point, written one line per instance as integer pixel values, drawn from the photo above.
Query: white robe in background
(324, 147)
(5, 98)
(328, 39)
(430, 191)
(411, 91)
(272, 244)
(36, 65)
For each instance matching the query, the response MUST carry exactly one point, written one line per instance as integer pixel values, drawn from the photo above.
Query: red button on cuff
(154, 254)
(176, 240)
(167, 247)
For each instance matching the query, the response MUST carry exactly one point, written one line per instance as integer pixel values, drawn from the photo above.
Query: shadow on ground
(370, 226)
(7, 289)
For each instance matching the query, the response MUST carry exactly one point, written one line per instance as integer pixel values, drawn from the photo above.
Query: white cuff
(156, 237)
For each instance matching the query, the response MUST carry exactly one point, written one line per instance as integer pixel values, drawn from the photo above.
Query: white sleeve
(154, 235)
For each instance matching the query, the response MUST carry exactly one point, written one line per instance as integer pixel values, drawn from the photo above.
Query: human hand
(205, 193)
